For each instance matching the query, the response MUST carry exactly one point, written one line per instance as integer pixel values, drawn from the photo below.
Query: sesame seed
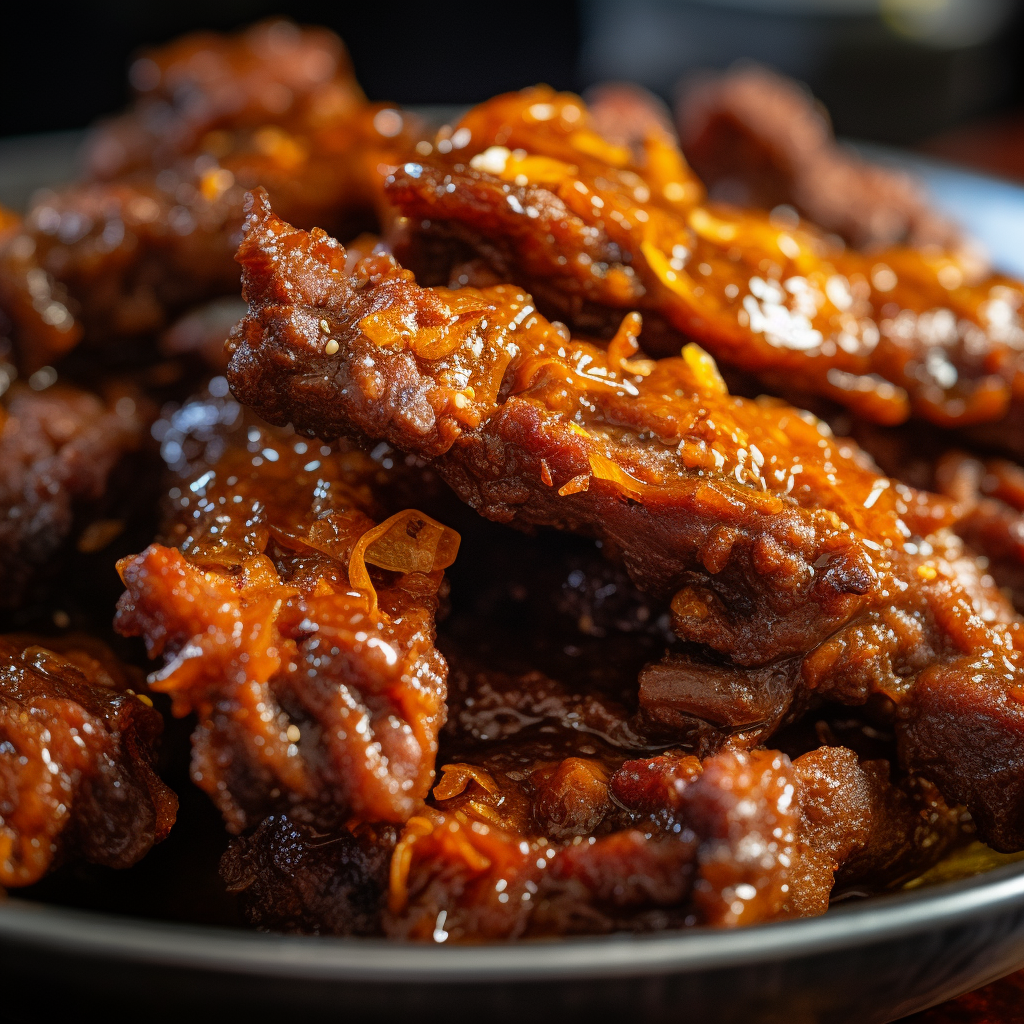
(331, 347)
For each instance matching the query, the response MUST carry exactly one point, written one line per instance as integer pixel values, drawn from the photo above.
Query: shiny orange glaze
(318, 689)
(77, 747)
(592, 228)
(777, 542)
(657, 842)
(116, 257)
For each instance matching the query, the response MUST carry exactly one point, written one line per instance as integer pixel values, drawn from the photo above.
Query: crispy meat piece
(289, 877)
(592, 231)
(58, 449)
(318, 689)
(271, 73)
(779, 545)
(77, 749)
(109, 259)
(739, 839)
(759, 139)
(561, 767)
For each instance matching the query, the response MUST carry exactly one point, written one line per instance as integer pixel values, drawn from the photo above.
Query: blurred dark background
(890, 70)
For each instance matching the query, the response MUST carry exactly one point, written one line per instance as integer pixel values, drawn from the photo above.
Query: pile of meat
(509, 583)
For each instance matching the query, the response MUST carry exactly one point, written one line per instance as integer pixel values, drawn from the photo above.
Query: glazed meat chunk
(271, 73)
(758, 139)
(58, 450)
(593, 230)
(549, 819)
(597, 841)
(800, 572)
(77, 750)
(118, 257)
(296, 626)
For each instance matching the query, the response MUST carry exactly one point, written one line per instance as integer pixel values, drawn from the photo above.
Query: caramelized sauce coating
(58, 449)
(777, 543)
(518, 845)
(118, 257)
(77, 749)
(561, 764)
(593, 230)
(314, 677)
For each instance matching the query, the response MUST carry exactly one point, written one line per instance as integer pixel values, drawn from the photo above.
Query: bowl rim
(216, 949)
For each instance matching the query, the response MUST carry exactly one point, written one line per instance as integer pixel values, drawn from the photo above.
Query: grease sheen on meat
(808, 574)
(593, 229)
(77, 752)
(317, 686)
(153, 232)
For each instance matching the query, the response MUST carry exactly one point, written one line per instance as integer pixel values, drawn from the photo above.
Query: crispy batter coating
(275, 106)
(318, 689)
(593, 230)
(58, 449)
(77, 749)
(758, 139)
(782, 550)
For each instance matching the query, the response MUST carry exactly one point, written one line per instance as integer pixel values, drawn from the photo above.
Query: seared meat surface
(296, 626)
(781, 549)
(78, 743)
(593, 230)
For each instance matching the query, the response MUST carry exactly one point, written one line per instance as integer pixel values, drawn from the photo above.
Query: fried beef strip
(759, 139)
(117, 257)
(314, 677)
(77, 750)
(553, 823)
(270, 73)
(536, 769)
(807, 574)
(58, 450)
(592, 230)
(548, 831)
